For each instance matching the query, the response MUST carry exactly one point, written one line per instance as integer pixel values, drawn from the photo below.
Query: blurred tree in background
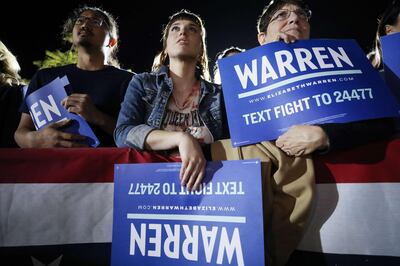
(57, 58)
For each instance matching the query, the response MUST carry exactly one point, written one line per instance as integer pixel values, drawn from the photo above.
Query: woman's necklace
(188, 99)
(185, 103)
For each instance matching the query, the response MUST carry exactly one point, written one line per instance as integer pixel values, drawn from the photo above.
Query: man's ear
(261, 38)
(112, 42)
(388, 29)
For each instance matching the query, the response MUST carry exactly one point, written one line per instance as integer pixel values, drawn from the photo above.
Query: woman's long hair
(388, 17)
(9, 67)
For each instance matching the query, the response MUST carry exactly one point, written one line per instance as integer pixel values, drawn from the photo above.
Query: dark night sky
(30, 29)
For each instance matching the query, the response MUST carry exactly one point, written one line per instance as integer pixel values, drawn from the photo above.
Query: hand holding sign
(302, 139)
(82, 104)
(193, 162)
(271, 88)
(46, 111)
(51, 136)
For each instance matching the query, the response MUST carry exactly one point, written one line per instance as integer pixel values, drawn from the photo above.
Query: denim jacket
(146, 101)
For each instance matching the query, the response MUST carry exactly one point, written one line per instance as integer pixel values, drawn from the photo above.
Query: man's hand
(302, 139)
(52, 137)
(82, 104)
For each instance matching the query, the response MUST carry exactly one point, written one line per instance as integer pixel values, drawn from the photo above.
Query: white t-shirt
(186, 118)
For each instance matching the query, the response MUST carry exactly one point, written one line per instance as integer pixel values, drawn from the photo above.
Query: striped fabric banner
(56, 206)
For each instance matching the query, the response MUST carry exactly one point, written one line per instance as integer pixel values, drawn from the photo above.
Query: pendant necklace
(185, 104)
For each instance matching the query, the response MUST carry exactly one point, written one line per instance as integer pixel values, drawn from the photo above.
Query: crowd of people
(175, 108)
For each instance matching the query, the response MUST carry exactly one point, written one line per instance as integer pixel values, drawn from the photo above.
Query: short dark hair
(388, 17)
(227, 51)
(272, 7)
(224, 53)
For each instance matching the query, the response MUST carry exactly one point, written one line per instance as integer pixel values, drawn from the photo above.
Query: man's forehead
(289, 7)
(92, 14)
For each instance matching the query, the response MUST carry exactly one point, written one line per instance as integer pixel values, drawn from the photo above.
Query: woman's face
(184, 40)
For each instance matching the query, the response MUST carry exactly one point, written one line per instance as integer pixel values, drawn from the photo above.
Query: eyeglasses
(93, 22)
(283, 14)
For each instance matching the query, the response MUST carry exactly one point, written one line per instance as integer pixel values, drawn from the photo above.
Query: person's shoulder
(119, 71)
(146, 76)
(210, 83)
(46, 75)
(116, 69)
(6, 90)
(213, 87)
(148, 80)
(55, 71)
(118, 74)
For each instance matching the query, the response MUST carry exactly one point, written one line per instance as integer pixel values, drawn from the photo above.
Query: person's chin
(301, 37)
(295, 33)
(85, 42)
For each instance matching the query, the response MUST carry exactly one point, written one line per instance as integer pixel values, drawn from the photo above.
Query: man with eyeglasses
(97, 85)
(288, 21)
(91, 21)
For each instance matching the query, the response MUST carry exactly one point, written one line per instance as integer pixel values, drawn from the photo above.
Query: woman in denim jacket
(175, 107)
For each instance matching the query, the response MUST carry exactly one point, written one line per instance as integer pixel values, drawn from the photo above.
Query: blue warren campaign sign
(272, 87)
(391, 61)
(158, 222)
(45, 108)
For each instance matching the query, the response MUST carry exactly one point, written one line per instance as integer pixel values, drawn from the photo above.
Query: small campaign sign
(157, 221)
(275, 86)
(45, 108)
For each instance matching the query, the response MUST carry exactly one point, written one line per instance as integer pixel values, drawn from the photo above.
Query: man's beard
(85, 43)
